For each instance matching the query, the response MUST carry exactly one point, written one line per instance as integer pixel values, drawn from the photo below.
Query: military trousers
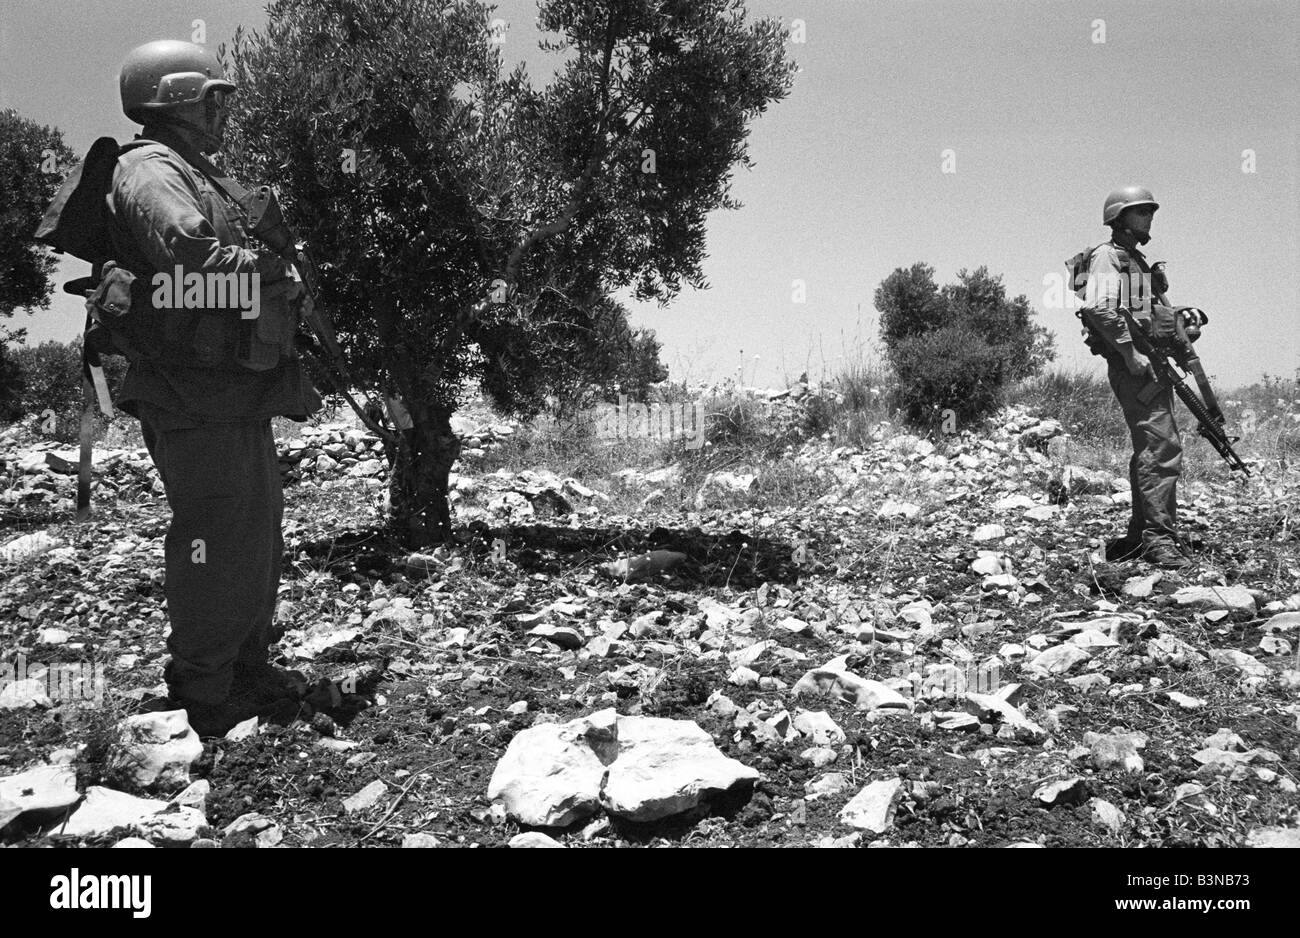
(224, 547)
(1157, 459)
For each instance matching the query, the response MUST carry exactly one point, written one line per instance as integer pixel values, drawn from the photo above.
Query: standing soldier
(1120, 279)
(205, 381)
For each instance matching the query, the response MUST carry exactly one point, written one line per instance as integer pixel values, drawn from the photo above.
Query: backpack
(1077, 270)
(77, 223)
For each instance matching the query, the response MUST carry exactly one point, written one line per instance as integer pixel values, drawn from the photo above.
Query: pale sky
(1041, 120)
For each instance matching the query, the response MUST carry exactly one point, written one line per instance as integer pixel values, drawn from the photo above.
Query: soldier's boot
(264, 683)
(1166, 554)
(1121, 549)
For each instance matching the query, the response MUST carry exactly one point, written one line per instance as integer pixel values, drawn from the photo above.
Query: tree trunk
(421, 514)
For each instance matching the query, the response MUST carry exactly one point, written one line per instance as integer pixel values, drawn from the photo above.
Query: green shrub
(948, 369)
(49, 384)
(955, 348)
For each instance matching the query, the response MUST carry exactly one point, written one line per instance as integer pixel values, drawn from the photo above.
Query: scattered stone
(819, 727)
(38, 793)
(175, 826)
(133, 843)
(863, 693)
(104, 809)
(1107, 815)
(567, 638)
(365, 798)
(419, 841)
(1063, 792)
(989, 532)
(1116, 750)
(264, 831)
(992, 707)
(818, 756)
(666, 767)
(828, 784)
(1186, 701)
(154, 750)
(26, 694)
(1140, 587)
(1230, 598)
(1274, 837)
(1226, 739)
(1059, 659)
(873, 807)
(550, 775)
(1246, 664)
(1088, 683)
(534, 839)
(27, 546)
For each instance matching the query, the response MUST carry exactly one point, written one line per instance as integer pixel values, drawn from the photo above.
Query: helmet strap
(205, 142)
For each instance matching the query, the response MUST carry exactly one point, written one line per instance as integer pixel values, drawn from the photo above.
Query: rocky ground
(893, 645)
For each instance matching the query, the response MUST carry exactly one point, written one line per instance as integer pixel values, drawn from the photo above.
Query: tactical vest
(123, 317)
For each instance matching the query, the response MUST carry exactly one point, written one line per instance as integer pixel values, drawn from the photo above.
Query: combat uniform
(1120, 277)
(205, 420)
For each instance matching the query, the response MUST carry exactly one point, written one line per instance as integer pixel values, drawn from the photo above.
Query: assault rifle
(1168, 355)
(266, 222)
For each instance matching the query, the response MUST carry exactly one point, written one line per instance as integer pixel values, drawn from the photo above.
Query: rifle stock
(1165, 364)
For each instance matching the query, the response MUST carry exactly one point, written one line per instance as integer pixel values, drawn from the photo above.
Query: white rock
(665, 767)
(1274, 837)
(1231, 598)
(895, 509)
(242, 730)
(53, 636)
(174, 827)
(562, 635)
(818, 756)
(24, 695)
(988, 564)
(195, 795)
(1107, 815)
(27, 546)
(1246, 664)
(133, 842)
(1060, 659)
(1282, 622)
(1185, 701)
(992, 707)
(154, 750)
(42, 790)
(419, 841)
(743, 677)
(873, 807)
(550, 775)
(818, 726)
(1140, 587)
(989, 532)
(104, 809)
(863, 693)
(534, 839)
(1116, 750)
(828, 784)
(1041, 513)
(1063, 791)
(367, 797)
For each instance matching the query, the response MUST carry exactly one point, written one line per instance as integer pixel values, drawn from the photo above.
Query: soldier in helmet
(1119, 277)
(205, 381)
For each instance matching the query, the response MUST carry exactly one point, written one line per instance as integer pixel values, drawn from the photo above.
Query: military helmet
(1126, 197)
(168, 73)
